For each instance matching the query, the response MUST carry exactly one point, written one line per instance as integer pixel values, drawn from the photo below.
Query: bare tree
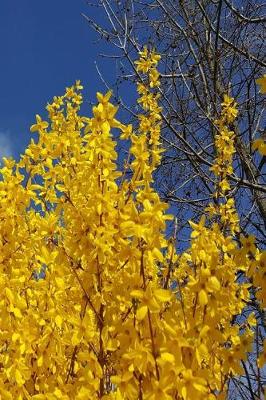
(209, 48)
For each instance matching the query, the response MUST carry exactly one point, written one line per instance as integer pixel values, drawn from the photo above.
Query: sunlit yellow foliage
(118, 314)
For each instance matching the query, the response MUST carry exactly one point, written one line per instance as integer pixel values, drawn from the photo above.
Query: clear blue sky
(44, 47)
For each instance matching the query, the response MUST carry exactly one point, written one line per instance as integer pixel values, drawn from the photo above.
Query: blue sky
(44, 47)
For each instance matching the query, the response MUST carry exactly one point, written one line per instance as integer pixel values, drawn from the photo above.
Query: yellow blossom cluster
(95, 303)
(150, 121)
(260, 143)
(223, 166)
(256, 258)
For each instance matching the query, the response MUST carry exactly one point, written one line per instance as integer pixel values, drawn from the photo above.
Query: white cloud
(5, 144)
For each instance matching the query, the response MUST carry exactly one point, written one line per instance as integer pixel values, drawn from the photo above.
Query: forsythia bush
(95, 302)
